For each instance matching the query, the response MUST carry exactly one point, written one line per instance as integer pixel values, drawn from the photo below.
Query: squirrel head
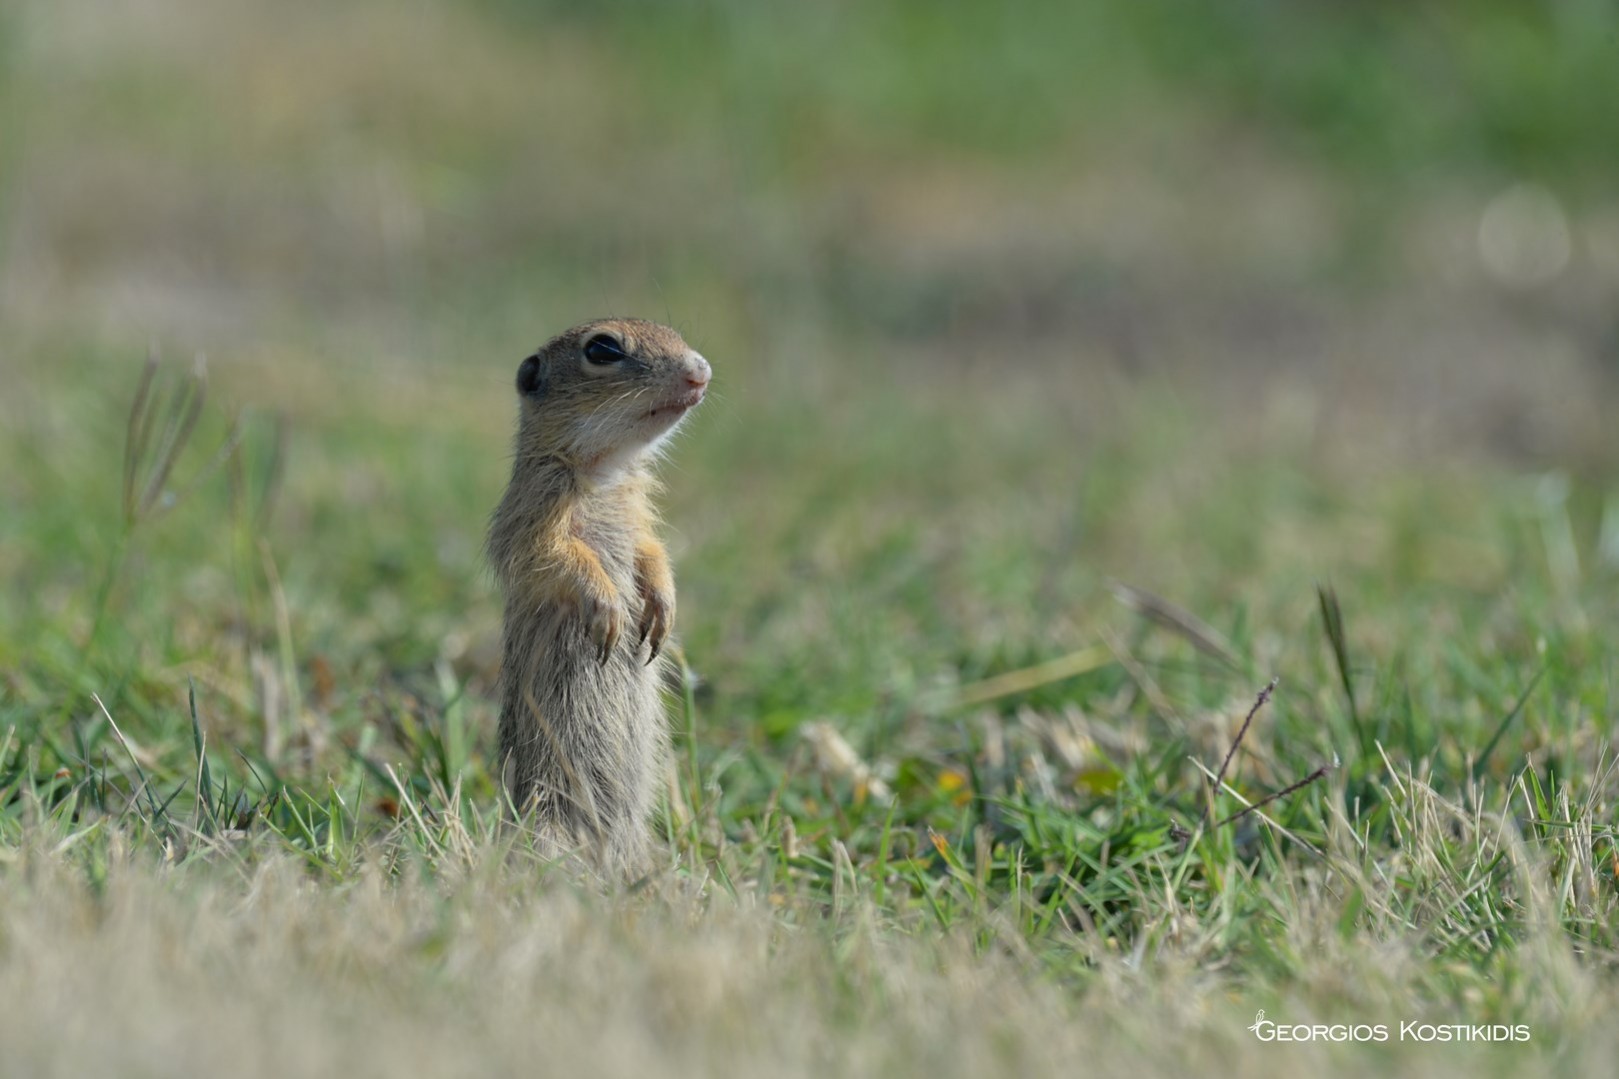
(600, 395)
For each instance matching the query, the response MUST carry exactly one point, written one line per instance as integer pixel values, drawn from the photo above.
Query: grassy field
(1077, 376)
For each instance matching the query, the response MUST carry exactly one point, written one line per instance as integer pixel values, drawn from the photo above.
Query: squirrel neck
(566, 475)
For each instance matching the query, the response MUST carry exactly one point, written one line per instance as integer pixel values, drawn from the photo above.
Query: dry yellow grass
(478, 961)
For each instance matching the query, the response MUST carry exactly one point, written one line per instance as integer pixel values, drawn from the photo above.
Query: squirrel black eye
(528, 376)
(603, 350)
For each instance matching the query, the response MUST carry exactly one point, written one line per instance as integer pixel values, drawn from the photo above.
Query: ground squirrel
(590, 598)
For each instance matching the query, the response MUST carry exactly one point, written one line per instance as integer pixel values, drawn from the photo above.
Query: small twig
(1181, 835)
(1283, 793)
(1242, 732)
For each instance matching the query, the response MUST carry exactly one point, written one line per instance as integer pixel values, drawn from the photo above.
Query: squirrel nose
(698, 372)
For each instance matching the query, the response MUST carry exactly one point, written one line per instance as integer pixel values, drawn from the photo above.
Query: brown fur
(589, 592)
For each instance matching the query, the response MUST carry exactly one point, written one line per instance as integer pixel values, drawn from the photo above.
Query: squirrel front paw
(657, 618)
(603, 617)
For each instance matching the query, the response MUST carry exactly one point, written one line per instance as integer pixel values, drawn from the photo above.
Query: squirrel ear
(528, 377)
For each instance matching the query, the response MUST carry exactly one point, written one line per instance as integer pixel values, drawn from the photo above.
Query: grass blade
(205, 781)
(1332, 619)
(1506, 721)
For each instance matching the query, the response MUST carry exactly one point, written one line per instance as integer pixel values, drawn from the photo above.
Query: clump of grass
(162, 420)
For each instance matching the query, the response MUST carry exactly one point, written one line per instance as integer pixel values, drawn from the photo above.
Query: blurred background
(1344, 197)
(1003, 300)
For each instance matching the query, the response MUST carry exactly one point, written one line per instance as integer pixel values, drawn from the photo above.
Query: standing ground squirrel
(590, 598)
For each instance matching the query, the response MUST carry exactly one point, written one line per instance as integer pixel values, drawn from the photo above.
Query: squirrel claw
(657, 616)
(604, 625)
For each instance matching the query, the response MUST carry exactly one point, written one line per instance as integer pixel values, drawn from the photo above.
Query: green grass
(985, 352)
(1463, 841)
